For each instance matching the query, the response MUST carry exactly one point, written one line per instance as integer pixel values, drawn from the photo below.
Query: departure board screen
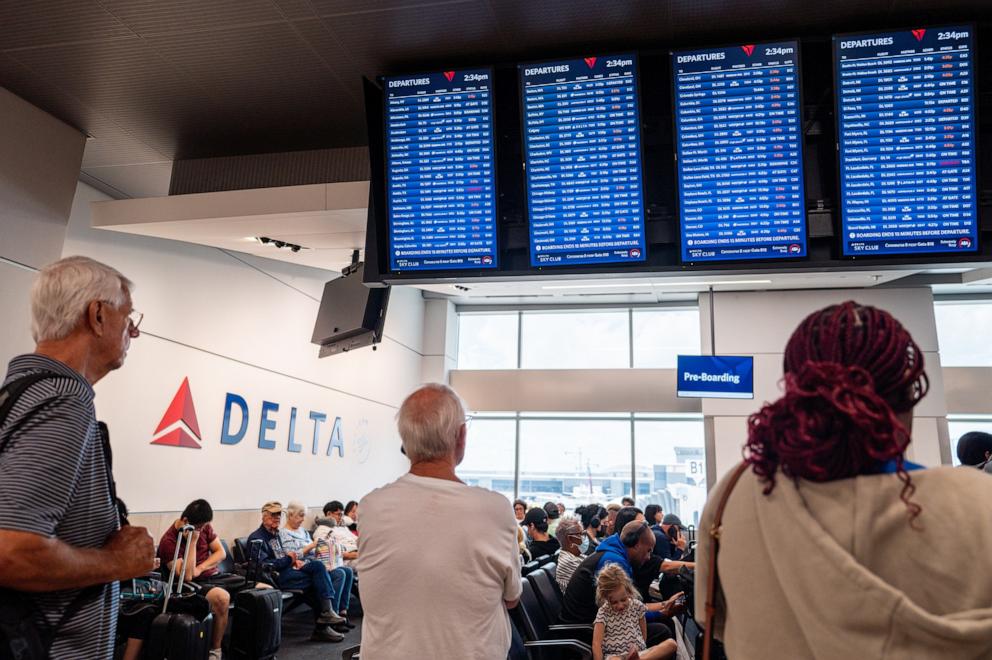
(582, 144)
(739, 145)
(906, 135)
(440, 171)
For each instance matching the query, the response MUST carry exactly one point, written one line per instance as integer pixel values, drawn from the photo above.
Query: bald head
(431, 423)
(638, 538)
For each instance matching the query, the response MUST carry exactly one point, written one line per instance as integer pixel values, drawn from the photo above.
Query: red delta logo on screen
(179, 426)
(450, 75)
(919, 34)
(590, 61)
(748, 49)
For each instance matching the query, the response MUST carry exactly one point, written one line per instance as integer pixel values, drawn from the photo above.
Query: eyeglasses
(468, 421)
(135, 318)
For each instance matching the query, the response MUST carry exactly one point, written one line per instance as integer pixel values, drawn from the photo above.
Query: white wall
(233, 323)
(760, 324)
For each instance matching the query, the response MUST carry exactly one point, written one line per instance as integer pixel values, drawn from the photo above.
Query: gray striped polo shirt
(53, 482)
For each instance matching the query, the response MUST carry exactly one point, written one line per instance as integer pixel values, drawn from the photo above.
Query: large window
(962, 332)
(642, 337)
(489, 454)
(579, 458)
(958, 425)
(575, 340)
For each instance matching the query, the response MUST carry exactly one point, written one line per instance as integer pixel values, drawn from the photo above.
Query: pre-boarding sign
(906, 134)
(440, 176)
(582, 143)
(740, 159)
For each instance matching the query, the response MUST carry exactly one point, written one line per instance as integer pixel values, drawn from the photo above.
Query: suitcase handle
(185, 534)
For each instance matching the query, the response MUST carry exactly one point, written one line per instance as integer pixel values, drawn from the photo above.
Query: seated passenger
(551, 509)
(519, 511)
(590, 524)
(670, 544)
(621, 628)
(541, 543)
(975, 450)
(833, 545)
(610, 521)
(573, 545)
(330, 528)
(295, 573)
(296, 539)
(351, 514)
(630, 550)
(208, 552)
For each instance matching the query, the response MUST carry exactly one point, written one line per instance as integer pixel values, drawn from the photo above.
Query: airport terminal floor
(494, 329)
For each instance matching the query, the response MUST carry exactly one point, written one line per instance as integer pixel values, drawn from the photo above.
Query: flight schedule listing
(440, 174)
(582, 145)
(906, 135)
(739, 148)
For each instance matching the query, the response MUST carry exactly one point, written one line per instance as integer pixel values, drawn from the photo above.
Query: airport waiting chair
(529, 567)
(227, 565)
(241, 550)
(544, 560)
(547, 596)
(543, 640)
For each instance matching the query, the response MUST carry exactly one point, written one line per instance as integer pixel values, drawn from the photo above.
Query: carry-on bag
(185, 632)
(256, 627)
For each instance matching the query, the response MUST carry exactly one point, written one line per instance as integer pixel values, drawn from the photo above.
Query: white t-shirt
(434, 590)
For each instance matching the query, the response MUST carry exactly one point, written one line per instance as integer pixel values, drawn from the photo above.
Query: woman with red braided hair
(832, 544)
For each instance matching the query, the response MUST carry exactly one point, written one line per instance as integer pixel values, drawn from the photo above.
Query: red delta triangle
(919, 34)
(181, 409)
(590, 62)
(749, 49)
(450, 75)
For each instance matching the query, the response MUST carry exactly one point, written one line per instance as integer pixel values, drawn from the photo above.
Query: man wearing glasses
(64, 549)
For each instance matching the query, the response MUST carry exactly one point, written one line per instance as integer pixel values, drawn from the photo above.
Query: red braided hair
(849, 369)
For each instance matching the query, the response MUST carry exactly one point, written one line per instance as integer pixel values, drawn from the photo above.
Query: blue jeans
(342, 578)
(314, 576)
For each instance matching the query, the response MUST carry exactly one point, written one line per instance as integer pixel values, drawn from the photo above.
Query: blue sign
(440, 174)
(582, 143)
(739, 140)
(715, 377)
(906, 135)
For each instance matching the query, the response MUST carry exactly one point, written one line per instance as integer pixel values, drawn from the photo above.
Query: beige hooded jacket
(834, 571)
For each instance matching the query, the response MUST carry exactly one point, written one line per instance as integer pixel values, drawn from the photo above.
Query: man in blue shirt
(294, 573)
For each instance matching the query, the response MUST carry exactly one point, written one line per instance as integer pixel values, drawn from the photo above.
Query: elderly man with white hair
(64, 549)
(433, 591)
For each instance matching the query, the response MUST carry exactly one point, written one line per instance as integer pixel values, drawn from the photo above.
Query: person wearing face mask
(574, 545)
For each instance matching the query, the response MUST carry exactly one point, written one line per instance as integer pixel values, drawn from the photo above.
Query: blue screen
(582, 144)
(440, 174)
(738, 131)
(715, 376)
(906, 134)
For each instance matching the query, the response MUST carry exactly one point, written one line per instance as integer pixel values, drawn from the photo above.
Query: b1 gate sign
(906, 134)
(440, 175)
(715, 377)
(738, 131)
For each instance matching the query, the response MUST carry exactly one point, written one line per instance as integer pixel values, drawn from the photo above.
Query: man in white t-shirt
(432, 591)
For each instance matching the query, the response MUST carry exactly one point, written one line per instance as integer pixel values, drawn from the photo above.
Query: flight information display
(440, 171)
(906, 135)
(739, 143)
(582, 144)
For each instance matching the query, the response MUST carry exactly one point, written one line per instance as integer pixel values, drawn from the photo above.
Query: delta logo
(919, 34)
(748, 49)
(450, 75)
(179, 426)
(590, 62)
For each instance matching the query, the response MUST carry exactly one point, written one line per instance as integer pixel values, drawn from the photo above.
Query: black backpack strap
(11, 392)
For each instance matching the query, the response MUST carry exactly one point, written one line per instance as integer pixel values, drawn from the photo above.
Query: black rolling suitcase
(256, 627)
(185, 632)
